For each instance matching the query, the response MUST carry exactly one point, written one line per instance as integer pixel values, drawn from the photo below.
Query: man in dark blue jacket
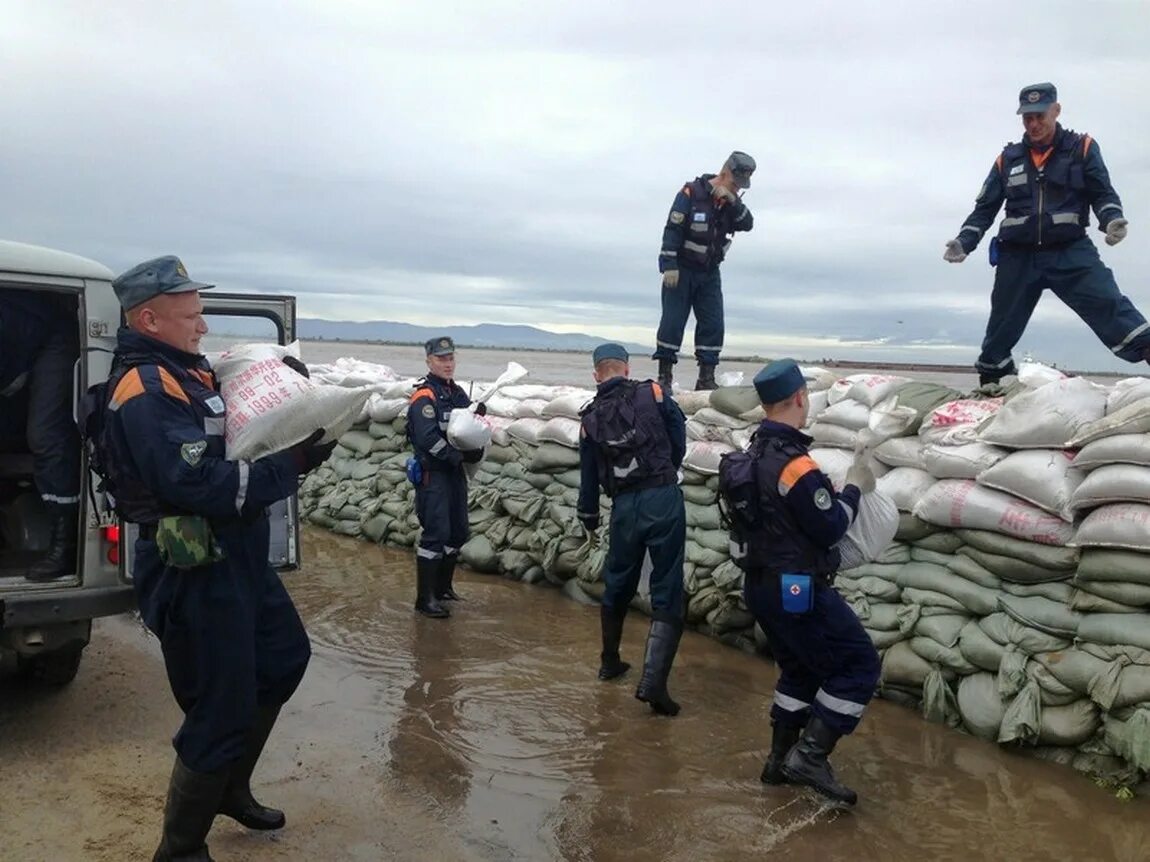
(39, 346)
(1049, 183)
(828, 667)
(632, 441)
(441, 493)
(233, 644)
(706, 211)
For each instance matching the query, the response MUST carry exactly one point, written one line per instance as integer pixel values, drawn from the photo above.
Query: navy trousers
(827, 663)
(231, 639)
(441, 506)
(701, 291)
(654, 521)
(1076, 275)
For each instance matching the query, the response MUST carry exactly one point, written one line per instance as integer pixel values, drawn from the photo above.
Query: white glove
(1116, 231)
(954, 252)
(861, 476)
(671, 278)
(722, 193)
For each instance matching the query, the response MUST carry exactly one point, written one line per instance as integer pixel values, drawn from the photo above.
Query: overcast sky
(513, 162)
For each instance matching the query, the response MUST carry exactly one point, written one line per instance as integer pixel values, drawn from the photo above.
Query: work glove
(480, 409)
(671, 279)
(296, 366)
(472, 456)
(861, 476)
(954, 252)
(722, 193)
(311, 453)
(1116, 231)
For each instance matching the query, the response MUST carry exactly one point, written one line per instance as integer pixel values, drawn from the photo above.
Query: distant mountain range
(478, 335)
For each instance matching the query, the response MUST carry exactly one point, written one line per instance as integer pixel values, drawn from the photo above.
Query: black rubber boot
(783, 739)
(238, 802)
(445, 580)
(193, 799)
(987, 379)
(807, 763)
(706, 378)
(426, 577)
(666, 373)
(60, 560)
(662, 644)
(611, 621)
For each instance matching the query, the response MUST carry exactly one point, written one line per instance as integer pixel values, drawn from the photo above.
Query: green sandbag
(1014, 569)
(502, 454)
(359, 442)
(913, 529)
(922, 397)
(1042, 614)
(944, 628)
(1105, 564)
(478, 554)
(939, 704)
(1116, 629)
(715, 540)
(734, 400)
(1056, 591)
(729, 616)
(924, 555)
(904, 668)
(1130, 738)
(702, 603)
(876, 570)
(875, 589)
(553, 458)
(1004, 630)
(929, 576)
(1074, 668)
(941, 543)
(881, 617)
(883, 640)
(570, 478)
(376, 528)
(700, 495)
(1086, 602)
(965, 567)
(1052, 557)
(321, 519)
(705, 557)
(978, 648)
(937, 654)
(980, 705)
(705, 517)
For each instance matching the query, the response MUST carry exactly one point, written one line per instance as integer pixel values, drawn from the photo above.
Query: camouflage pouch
(186, 542)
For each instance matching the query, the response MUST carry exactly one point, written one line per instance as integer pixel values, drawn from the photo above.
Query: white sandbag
(1114, 483)
(512, 375)
(697, 430)
(526, 429)
(819, 402)
(381, 409)
(905, 486)
(502, 405)
(1035, 374)
(561, 430)
(961, 462)
(1048, 417)
(1133, 418)
(1119, 525)
(544, 391)
(568, 404)
(956, 422)
(466, 431)
(870, 389)
(703, 457)
(964, 503)
(834, 435)
(834, 463)
(691, 402)
(270, 407)
(890, 419)
(529, 408)
(901, 452)
(847, 413)
(1043, 477)
(499, 426)
(871, 532)
(1119, 449)
(1126, 392)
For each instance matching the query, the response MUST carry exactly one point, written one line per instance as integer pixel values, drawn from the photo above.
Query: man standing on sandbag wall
(704, 214)
(828, 667)
(233, 644)
(441, 489)
(632, 440)
(1049, 183)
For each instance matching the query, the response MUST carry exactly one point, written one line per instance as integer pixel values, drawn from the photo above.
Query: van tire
(54, 669)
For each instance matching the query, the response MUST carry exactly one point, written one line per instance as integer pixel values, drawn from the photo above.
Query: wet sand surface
(487, 737)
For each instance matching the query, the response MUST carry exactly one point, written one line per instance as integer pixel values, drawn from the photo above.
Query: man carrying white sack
(440, 480)
(787, 520)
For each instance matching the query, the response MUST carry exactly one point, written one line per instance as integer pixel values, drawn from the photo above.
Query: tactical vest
(705, 240)
(626, 425)
(1047, 205)
(776, 544)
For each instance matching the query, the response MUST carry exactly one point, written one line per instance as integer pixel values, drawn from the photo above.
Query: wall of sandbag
(1014, 602)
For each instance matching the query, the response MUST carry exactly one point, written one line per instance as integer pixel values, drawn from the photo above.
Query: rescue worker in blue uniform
(441, 492)
(1049, 182)
(704, 215)
(632, 440)
(828, 667)
(39, 346)
(234, 646)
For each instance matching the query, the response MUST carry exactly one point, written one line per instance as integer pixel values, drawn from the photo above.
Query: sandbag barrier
(1013, 604)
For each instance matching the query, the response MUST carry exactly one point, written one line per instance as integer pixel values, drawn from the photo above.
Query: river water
(495, 724)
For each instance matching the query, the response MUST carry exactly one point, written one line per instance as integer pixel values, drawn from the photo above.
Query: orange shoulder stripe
(1086, 142)
(998, 162)
(795, 470)
(658, 391)
(421, 393)
(205, 377)
(172, 386)
(129, 387)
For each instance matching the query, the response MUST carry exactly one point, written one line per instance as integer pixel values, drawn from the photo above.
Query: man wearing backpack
(1049, 183)
(632, 441)
(828, 667)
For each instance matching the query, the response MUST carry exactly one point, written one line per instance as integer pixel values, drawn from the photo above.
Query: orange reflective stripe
(687, 190)
(129, 387)
(1086, 142)
(658, 391)
(421, 393)
(795, 470)
(1039, 159)
(205, 377)
(172, 386)
(998, 163)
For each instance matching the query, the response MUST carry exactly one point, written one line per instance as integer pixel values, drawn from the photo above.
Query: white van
(46, 625)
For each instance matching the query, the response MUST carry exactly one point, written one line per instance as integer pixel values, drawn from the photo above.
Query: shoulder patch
(823, 499)
(193, 452)
(428, 411)
(677, 217)
(795, 471)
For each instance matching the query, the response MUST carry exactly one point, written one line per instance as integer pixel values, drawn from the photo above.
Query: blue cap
(778, 381)
(442, 346)
(610, 350)
(741, 167)
(165, 274)
(1037, 98)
